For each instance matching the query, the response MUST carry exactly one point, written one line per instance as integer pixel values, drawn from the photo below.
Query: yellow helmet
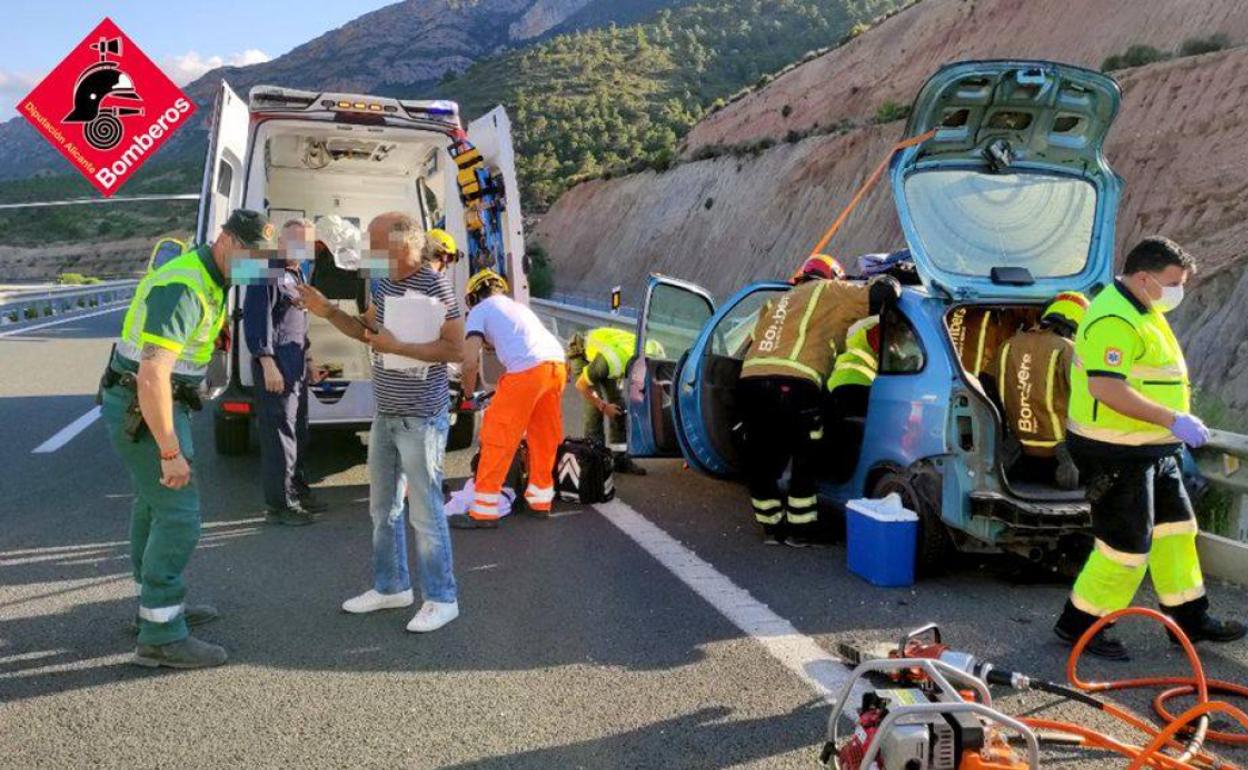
(482, 285)
(444, 240)
(655, 349)
(1069, 306)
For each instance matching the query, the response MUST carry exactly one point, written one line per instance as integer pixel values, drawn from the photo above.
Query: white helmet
(343, 240)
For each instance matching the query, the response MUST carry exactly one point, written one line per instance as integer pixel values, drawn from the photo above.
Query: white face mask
(1171, 297)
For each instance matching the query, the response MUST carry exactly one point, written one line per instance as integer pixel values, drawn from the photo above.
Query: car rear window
(970, 221)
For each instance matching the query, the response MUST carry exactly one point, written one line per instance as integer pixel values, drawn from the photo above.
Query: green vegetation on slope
(589, 101)
(38, 226)
(582, 104)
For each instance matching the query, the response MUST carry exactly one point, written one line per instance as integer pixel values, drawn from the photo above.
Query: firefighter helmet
(1069, 306)
(819, 266)
(443, 240)
(482, 285)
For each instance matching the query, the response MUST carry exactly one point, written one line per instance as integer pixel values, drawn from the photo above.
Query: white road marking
(110, 309)
(825, 674)
(64, 435)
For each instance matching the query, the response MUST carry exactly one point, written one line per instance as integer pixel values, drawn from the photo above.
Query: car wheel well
(919, 486)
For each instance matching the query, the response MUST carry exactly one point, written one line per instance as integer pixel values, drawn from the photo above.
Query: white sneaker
(371, 601)
(432, 616)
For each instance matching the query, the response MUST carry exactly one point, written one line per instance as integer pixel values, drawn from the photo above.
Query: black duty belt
(182, 392)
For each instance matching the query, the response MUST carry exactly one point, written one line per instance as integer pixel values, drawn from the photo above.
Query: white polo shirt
(517, 336)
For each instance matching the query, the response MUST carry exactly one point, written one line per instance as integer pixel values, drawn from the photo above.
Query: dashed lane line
(825, 674)
(66, 434)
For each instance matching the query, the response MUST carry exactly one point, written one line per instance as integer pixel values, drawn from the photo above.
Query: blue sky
(185, 37)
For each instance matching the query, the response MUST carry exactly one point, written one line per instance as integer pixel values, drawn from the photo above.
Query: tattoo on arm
(156, 353)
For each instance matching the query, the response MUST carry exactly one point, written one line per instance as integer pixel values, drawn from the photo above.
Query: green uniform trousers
(594, 427)
(164, 522)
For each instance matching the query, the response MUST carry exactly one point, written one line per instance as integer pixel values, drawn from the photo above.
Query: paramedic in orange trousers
(528, 401)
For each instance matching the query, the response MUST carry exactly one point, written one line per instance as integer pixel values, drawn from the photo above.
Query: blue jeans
(405, 455)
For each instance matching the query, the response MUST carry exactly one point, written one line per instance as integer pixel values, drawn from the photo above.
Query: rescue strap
(866, 187)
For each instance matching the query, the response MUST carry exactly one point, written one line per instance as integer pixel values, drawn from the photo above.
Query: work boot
(1102, 645)
(802, 541)
(289, 516)
(771, 535)
(312, 504)
(464, 521)
(627, 465)
(1067, 474)
(184, 653)
(196, 615)
(1210, 629)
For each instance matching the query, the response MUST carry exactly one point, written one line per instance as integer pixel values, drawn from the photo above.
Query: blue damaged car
(1010, 201)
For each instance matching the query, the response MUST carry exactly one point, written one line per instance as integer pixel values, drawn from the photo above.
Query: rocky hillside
(890, 62)
(1178, 142)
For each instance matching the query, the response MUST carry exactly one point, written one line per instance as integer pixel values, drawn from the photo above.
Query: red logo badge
(1113, 356)
(107, 107)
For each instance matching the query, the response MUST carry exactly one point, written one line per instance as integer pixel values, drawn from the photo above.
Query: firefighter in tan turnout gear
(792, 354)
(1033, 376)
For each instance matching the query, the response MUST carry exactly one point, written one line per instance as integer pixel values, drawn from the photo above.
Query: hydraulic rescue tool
(926, 724)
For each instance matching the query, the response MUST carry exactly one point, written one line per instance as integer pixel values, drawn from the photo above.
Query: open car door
(708, 415)
(673, 316)
(222, 192)
(491, 135)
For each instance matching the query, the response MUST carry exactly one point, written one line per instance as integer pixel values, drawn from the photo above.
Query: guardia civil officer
(1128, 419)
(147, 394)
(275, 326)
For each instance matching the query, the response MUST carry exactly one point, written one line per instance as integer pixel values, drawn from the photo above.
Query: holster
(133, 424)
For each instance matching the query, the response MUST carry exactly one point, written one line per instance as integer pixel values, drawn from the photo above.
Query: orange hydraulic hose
(1152, 756)
(866, 187)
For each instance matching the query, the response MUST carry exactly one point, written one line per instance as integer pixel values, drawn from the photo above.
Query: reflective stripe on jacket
(196, 351)
(614, 345)
(1157, 371)
(799, 333)
(1033, 379)
(858, 364)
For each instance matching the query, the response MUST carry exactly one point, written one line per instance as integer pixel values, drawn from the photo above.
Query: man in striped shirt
(408, 437)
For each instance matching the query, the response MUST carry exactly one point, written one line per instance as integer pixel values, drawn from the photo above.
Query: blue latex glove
(1190, 430)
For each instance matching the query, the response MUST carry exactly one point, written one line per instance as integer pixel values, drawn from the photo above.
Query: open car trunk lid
(1011, 198)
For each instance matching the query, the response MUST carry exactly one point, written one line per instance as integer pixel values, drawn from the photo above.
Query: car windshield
(970, 222)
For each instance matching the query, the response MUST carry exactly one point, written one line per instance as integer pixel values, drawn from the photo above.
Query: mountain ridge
(413, 42)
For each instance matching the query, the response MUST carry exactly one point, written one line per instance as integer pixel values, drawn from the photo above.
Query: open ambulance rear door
(491, 134)
(222, 192)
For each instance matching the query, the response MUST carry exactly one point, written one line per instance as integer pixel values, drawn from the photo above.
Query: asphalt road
(577, 647)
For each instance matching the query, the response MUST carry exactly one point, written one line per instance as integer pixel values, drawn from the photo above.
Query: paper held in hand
(412, 318)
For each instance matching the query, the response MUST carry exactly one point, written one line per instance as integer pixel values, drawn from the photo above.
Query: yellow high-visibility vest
(1148, 356)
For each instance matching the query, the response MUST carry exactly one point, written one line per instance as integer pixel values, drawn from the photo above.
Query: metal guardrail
(567, 319)
(27, 307)
(1223, 462)
(588, 301)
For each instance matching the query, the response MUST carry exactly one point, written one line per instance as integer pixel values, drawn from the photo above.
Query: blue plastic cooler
(881, 537)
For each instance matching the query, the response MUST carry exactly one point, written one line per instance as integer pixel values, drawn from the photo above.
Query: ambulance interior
(310, 171)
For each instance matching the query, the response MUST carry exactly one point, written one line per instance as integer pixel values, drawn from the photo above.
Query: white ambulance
(309, 154)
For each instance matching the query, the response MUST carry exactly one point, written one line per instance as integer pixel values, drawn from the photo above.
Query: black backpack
(583, 471)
